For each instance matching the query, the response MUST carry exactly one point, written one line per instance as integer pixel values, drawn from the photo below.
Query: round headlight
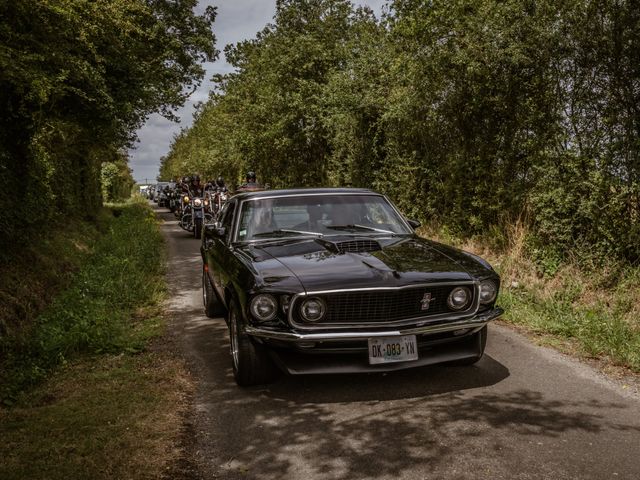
(186, 199)
(197, 202)
(313, 309)
(206, 202)
(459, 298)
(488, 291)
(264, 307)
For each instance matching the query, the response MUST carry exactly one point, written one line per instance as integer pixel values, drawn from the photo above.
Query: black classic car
(336, 280)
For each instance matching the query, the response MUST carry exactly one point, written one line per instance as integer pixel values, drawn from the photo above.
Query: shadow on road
(376, 425)
(433, 422)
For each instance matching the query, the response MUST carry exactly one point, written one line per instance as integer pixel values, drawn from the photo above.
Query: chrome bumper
(476, 323)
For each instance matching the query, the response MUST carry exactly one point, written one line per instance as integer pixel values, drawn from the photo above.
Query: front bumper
(472, 324)
(347, 352)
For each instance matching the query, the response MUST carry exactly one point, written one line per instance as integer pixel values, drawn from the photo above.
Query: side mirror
(414, 223)
(213, 230)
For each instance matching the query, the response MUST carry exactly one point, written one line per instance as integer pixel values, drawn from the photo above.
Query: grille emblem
(426, 300)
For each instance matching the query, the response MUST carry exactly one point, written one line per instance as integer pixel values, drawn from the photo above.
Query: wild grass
(40, 268)
(588, 309)
(122, 275)
(114, 417)
(88, 393)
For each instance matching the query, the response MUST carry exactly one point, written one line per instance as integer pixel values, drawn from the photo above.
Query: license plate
(392, 349)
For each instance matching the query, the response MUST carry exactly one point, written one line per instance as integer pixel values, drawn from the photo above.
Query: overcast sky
(237, 20)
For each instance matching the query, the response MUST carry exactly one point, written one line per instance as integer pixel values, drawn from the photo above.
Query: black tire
(481, 338)
(185, 222)
(197, 228)
(250, 360)
(212, 306)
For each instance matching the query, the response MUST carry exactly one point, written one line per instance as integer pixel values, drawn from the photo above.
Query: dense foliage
(469, 113)
(94, 314)
(116, 180)
(77, 78)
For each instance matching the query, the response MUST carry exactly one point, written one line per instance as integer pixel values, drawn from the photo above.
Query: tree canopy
(77, 79)
(468, 113)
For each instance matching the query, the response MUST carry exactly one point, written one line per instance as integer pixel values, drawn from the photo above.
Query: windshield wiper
(284, 232)
(359, 227)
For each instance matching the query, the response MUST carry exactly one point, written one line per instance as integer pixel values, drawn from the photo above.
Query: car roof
(303, 191)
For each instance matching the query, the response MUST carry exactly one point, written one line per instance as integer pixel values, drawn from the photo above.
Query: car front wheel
(251, 362)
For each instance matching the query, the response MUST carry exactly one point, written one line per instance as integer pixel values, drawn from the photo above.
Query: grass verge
(90, 395)
(588, 312)
(116, 416)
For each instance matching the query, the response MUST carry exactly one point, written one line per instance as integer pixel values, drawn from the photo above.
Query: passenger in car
(313, 222)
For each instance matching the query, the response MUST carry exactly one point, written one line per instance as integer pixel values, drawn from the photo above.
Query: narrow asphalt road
(523, 412)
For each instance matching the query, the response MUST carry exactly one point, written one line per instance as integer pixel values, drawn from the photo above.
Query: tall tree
(77, 78)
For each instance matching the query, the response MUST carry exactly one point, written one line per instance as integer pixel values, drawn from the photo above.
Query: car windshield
(318, 215)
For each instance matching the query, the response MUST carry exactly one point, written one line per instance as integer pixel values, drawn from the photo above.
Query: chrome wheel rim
(234, 339)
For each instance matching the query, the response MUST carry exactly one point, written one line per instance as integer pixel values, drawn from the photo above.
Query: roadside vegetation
(507, 125)
(591, 312)
(86, 391)
(77, 79)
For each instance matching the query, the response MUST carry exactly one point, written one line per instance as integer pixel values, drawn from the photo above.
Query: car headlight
(313, 309)
(264, 307)
(488, 291)
(459, 298)
(197, 202)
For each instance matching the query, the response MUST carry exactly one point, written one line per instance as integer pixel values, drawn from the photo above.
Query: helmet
(186, 179)
(195, 178)
(220, 181)
(251, 176)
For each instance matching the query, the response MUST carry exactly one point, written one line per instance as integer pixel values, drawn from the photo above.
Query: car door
(219, 249)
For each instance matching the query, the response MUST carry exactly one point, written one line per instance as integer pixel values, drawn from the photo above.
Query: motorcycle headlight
(197, 202)
(264, 307)
(313, 309)
(186, 199)
(488, 291)
(459, 298)
(206, 202)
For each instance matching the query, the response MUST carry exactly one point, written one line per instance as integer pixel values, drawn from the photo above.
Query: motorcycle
(173, 200)
(195, 215)
(220, 198)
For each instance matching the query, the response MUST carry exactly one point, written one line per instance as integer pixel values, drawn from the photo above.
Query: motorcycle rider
(195, 189)
(251, 184)
(184, 185)
(210, 186)
(221, 187)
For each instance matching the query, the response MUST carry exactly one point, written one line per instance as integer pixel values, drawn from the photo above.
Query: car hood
(400, 261)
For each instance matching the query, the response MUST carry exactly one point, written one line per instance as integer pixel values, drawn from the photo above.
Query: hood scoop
(351, 246)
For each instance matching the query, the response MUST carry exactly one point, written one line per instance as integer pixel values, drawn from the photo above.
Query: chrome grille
(385, 306)
(355, 246)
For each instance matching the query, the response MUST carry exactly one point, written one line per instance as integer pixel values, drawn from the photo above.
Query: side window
(223, 213)
(226, 220)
